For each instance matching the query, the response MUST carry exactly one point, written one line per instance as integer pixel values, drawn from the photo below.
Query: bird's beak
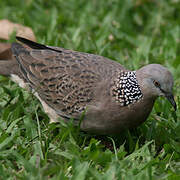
(170, 98)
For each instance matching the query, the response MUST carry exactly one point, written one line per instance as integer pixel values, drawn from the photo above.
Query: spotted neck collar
(126, 89)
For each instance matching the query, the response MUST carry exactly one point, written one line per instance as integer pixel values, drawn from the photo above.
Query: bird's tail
(8, 64)
(8, 67)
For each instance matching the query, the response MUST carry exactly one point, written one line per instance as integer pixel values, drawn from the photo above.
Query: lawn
(133, 33)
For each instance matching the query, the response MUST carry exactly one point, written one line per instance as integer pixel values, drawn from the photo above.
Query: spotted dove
(70, 83)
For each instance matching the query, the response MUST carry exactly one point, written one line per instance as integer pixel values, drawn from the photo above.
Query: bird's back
(66, 80)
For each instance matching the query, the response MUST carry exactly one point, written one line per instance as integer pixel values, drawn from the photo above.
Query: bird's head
(155, 80)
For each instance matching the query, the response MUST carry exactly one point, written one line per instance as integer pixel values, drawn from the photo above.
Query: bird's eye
(156, 83)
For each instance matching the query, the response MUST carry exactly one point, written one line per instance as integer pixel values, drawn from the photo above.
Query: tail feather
(31, 44)
(17, 49)
(8, 67)
(8, 64)
(35, 45)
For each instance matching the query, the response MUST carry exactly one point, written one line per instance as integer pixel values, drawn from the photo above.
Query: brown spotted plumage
(69, 83)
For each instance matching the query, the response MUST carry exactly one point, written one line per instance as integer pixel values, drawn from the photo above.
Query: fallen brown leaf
(4, 46)
(6, 54)
(7, 28)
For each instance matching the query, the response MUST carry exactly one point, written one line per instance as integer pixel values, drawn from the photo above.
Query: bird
(72, 85)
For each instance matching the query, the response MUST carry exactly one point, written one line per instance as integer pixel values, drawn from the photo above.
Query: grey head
(155, 80)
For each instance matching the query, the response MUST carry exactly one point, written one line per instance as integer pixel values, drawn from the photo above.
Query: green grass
(132, 32)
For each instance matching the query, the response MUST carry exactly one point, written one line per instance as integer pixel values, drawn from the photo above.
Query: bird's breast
(112, 118)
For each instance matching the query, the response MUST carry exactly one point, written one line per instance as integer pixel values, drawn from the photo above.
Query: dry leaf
(4, 46)
(5, 51)
(7, 28)
(6, 54)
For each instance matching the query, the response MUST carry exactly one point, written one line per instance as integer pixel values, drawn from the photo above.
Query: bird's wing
(64, 79)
